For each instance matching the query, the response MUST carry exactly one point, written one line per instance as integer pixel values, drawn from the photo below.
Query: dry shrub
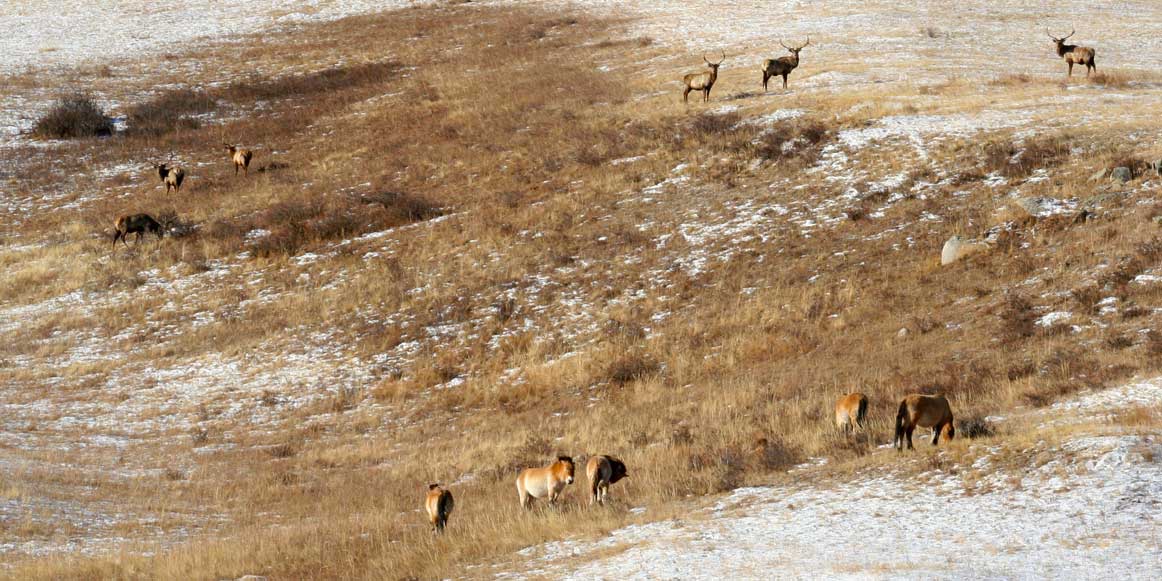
(1017, 318)
(708, 123)
(72, 117)
(169, 112)
(973, 427)
(799, 139)
(333, 80)
(631, 367)
(1014, 160)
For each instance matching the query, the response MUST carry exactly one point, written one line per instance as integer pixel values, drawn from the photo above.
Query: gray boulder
(1122, 174)
(957, 248)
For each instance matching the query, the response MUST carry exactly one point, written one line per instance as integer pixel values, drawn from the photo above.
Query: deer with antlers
(1073, 54)
(172, 177)
(782, 66)
(702, 81)
(240, 157)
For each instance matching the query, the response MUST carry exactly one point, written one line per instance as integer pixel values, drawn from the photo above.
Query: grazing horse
(929, 411)
(603, 471)
(850, 412)
(541, 482)
(439, 504)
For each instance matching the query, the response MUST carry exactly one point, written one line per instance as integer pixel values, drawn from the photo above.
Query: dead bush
(169, 112)
(72, 117)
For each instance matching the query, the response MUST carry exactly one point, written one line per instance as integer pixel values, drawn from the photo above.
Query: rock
(957, 248)
(251, 578)
(902, 333)
(1121, 174)
(1158, 220)
(1157, 166)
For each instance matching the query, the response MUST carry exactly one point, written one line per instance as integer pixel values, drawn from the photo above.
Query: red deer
(603, 471)
(172, 177)
(702, 81)
(851, 412)
(138, 224)
(439, 504)
(928, 411)
(544, 482)
(782, 66)
(1073, 54)
(240, 157)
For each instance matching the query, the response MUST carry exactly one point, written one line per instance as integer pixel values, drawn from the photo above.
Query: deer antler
(1071, 33)
(721, 59)
(784, 46)
(806, 43)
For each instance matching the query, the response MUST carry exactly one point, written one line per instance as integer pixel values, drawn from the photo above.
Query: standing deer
(702, 81)
(135, 223)
(1073, 54)
(240, 157)
(172, 177)
(782, 66)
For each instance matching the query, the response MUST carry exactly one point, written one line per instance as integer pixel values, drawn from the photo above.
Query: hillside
(476, 235)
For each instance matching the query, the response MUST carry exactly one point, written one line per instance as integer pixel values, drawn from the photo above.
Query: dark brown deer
(702, 81)
(172, 177)
(1075, 55)
(135, 224)
(240, 157)
(782, 66)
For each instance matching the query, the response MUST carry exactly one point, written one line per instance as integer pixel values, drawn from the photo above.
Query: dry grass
(553, 304)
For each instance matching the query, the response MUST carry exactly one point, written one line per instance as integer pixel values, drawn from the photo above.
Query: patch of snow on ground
(1094, 511)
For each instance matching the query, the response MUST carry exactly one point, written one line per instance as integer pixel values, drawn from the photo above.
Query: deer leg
(766, 77)
(686, 95)
(784, 81)
(1070, 74)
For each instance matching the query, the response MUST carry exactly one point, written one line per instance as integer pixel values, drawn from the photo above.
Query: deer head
(1060, 41)
(714, 66)
(795, 49)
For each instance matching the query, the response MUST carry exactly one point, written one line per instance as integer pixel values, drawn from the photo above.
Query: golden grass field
(474, 237)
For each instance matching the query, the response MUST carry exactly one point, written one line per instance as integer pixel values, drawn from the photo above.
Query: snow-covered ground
(47, 34)
(1093, 510)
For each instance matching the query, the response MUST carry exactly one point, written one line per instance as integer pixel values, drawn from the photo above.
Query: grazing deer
(1073, 54)
(702, 81)
(782, 66)
(240, 157)
(172, 177)
(138, 224)
(439, 504)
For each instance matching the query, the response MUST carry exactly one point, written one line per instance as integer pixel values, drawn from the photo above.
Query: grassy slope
(559, 303)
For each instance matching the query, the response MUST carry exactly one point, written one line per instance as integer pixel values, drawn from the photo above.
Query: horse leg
(908, 435)
(936, 433)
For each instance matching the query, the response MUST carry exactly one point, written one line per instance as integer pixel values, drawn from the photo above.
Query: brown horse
(603, 471)
(850, 412)
(544, 482)
(929, 411)
(439, 504)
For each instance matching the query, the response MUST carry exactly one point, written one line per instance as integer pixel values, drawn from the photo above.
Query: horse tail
(900, 416)
(861, 415)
